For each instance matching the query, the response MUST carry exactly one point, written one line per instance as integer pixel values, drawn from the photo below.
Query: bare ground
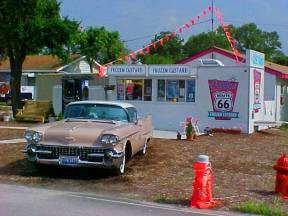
(242, 169)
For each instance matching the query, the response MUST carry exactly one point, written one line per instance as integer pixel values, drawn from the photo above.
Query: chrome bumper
(109, 159)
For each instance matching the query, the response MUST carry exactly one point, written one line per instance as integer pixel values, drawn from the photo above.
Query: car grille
(82, 152)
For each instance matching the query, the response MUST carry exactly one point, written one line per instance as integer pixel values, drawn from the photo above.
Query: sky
(138, 21)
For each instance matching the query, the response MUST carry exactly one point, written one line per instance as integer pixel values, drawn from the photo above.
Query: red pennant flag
(134, 55)
(167, 37)
(204, 13)
(237, 52)
(187, 25)
(154, 45)
(173, 34)
(161, 42)
(198, 17)
(127, 58)
(193, 22)
(147, 49)
(209, 8)
(101, 71)
(140, 52)
(219, 15)
(180, 30)
(227, 33)
(225, 27)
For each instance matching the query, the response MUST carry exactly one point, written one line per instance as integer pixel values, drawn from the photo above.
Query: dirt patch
(6, 134)
(242, 167)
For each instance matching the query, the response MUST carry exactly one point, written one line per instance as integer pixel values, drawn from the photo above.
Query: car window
(132, 113)
(96, 111)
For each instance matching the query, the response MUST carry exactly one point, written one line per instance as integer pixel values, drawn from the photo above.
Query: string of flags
(228, 35)
(161, 41)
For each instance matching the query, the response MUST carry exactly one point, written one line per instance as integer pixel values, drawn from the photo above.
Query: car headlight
(33, 136)
(109, 139)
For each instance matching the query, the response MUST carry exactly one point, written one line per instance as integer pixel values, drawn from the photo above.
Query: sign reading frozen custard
(130, 70)
(257, 88)
(223, 94)
(164, 70)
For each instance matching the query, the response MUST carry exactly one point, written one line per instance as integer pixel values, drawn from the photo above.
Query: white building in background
(216, 94)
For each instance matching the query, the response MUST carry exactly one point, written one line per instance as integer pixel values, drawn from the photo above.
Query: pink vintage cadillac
(92, 133)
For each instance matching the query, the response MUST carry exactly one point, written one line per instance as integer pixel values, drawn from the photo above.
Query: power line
(139, 38)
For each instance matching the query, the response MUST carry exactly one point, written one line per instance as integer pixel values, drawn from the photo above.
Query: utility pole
(212, 15)
(212, 26)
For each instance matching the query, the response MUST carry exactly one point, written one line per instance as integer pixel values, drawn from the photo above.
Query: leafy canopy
(203, 41)
(28, 26)
(249, 36)
(170, 53)
(100, 45)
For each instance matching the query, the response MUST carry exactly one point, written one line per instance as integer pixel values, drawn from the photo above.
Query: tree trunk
(15, 83)
(91, 65)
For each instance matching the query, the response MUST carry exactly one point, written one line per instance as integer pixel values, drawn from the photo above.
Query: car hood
(75, 133)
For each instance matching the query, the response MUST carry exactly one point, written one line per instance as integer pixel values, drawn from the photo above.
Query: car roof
(114, 103)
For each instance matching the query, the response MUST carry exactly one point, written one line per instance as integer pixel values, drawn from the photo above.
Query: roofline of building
(30, 71)
(47, 70)
(276, 73)
(73, 62)
(231, 56)
(205, 52)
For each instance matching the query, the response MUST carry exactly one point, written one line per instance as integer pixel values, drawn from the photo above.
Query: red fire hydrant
(281, 186)
(202, 185)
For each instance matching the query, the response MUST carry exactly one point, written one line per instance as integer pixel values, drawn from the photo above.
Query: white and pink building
(211, 87)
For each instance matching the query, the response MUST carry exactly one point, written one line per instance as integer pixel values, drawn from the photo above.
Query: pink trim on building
(205, 52)
(231, 56)
(276, 73)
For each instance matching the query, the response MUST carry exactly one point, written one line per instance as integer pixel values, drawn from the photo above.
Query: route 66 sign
(222, 101)
(223, 94)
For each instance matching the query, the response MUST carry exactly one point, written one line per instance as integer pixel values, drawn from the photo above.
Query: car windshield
(96, 112)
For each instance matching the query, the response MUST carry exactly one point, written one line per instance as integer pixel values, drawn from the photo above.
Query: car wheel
(119, 170)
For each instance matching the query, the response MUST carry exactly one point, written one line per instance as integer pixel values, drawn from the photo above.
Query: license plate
(68, 160)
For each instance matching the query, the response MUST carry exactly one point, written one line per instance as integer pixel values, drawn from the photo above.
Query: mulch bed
(242, 168)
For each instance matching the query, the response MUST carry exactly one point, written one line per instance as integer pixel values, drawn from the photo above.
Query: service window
(172, 91)
(161, 90)
(120, 89)
(190, 91)
(176, 90)
(138, 89)
(134, 90)
(147, 90)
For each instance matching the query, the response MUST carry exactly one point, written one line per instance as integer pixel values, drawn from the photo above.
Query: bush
(189, 128)
(59, 117)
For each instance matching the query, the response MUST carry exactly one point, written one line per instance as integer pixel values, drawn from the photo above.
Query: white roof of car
(115, 103)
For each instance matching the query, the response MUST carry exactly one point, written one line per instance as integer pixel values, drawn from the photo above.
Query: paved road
(27, 201)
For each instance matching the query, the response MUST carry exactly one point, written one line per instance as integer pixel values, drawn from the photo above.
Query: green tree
(27, 26)
(169, 53)
(157, 59)
(280, 58)
(100, 45)
(203, 41)
(249, 36)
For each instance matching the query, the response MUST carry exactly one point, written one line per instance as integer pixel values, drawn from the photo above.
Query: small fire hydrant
(281, 186)
(202, 185)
